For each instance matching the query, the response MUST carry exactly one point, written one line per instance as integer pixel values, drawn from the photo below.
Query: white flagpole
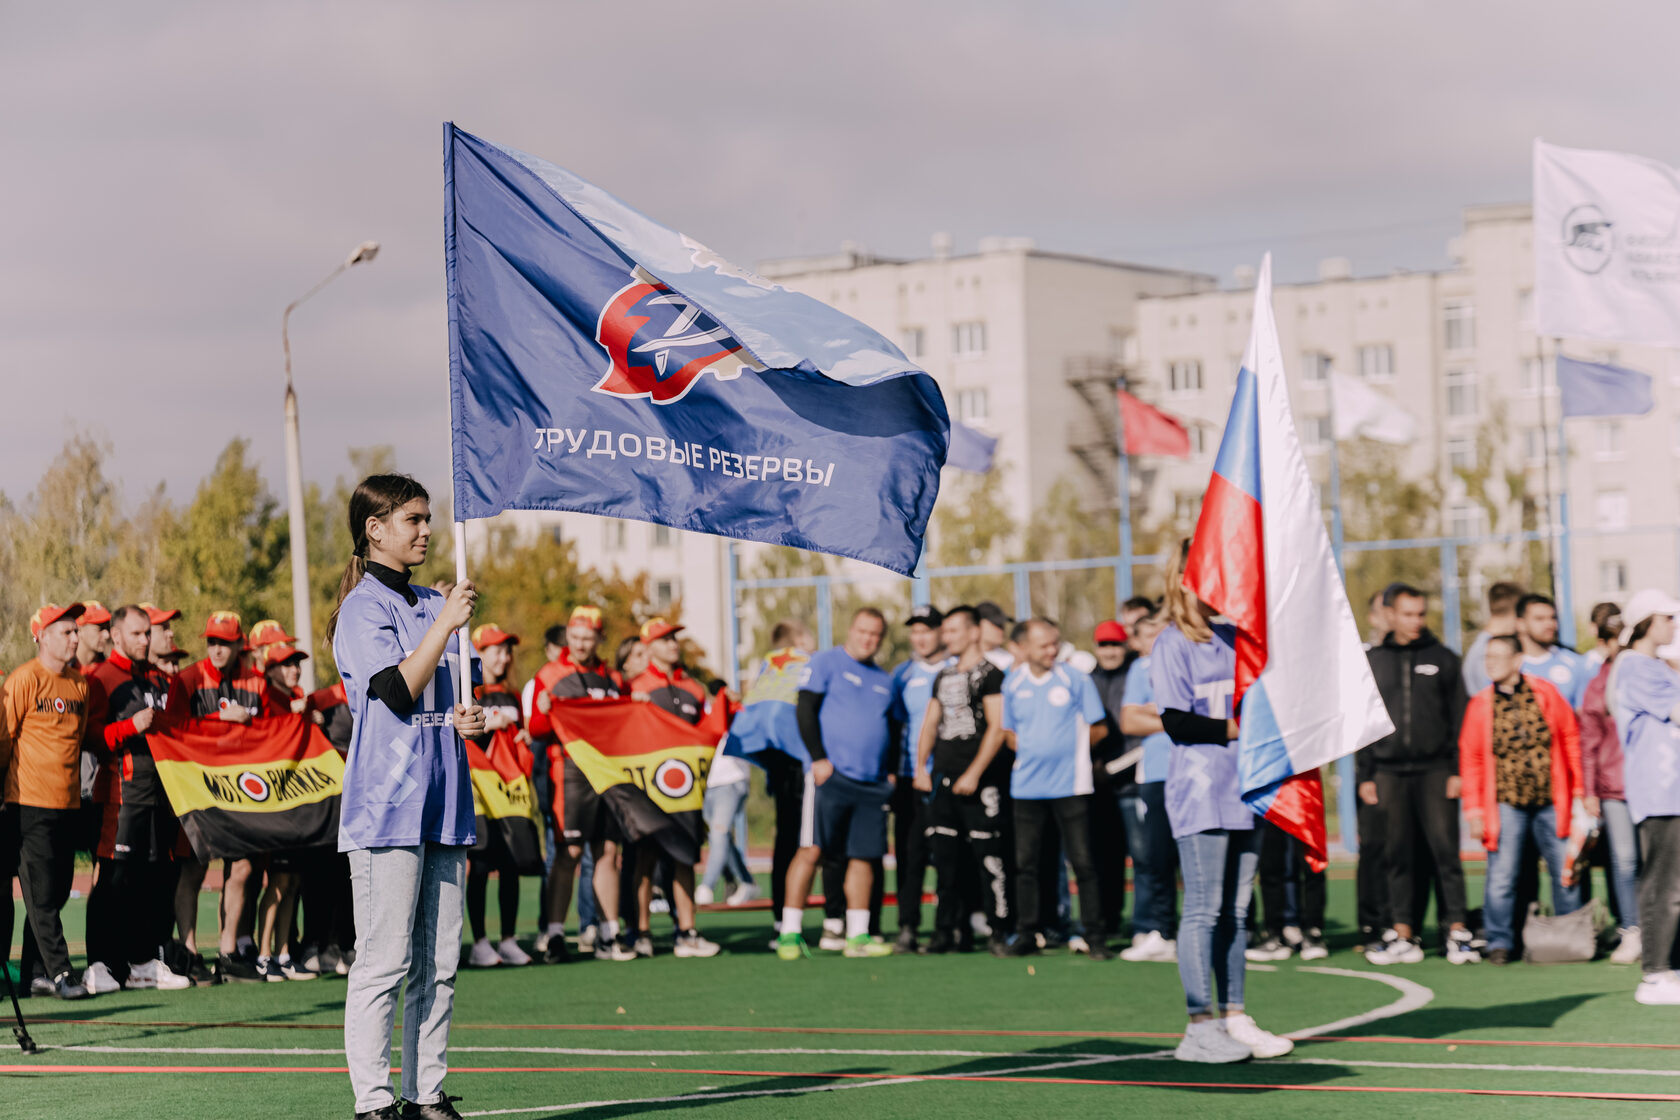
(466, 696)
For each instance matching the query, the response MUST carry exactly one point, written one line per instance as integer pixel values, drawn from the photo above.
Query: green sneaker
(865, 946)
(791, 946)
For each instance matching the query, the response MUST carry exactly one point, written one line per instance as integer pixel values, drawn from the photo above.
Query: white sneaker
(833, 938)
(659, 905)
(1077, 944)
(1459, 948)
(97, 979)
(1208, 1043)
(540, 945)
(586, 939)
(483, 955)
(509, 951)
(691, 944)
(142, 975)
(1659, 989)
(1264, 1044)
(289, 968)
(978, 923)
(1150, 946)
(1396, 950)
(644, 946)
(167, 979)
(745, 893)
(616, 950)
(704, 895)
(1292, 936)
(1628, 952)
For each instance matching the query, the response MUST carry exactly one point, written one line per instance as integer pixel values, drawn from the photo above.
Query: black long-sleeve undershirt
(810, 724)
(1187, 729)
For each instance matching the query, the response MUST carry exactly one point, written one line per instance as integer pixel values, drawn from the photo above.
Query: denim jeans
(1218, 870)
(588, 911)
(722, 805)
(1149, 840)
(408, 904)
(1624, 859)
(1517, 829)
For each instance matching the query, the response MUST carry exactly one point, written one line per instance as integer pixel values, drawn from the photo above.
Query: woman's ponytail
(378, 497)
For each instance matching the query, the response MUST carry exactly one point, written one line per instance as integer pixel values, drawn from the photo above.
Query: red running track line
(1005, 1080)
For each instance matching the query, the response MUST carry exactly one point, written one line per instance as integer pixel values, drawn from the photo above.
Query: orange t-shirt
(45, 717)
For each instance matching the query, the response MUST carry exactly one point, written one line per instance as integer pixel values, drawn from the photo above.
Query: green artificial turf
(513, 1018)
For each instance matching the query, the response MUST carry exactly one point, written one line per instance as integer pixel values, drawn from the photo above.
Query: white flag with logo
(1362, 411)
(1606, 246)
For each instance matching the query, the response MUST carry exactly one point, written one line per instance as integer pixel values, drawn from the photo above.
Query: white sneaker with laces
(1150, 946)
(1659, 989)
(510, 953)
(1077, 944)
(644, 946)
(1293, 936)
(586, 939)
(97, 979)
(744, 893)
(483, 955)
(289, 968)
(1459, 949)
(1209, 1044)
(540, 945)
(616, 951)
(1396, 950)
(142, 975)
(704, 895)
(167, 979)
(691, 944)
(1264, 1044)
(1628, 952)
(833, 938)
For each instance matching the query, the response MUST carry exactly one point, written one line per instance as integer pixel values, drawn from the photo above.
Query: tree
(1063, 529)
(971, 527)
(1380, 504)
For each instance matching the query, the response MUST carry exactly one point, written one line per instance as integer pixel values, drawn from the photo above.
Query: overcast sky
(174, 174)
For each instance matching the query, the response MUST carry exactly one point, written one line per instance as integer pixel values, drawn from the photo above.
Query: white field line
(1412, 996)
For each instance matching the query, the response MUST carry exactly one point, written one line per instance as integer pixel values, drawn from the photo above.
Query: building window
(664, 594)
(1534, 377)
(1461, 453)
(1376, 362)
(1315, 367)
(913, 341)
(661, 536)
(1458, 323)
(1317, 433)
(1612, 577)
(972, 406)
(1198, 438)
(1465, 519)
(1607, 441)
(968, 339)
(1462, 396)
(1610, 510)
(1537, 444)
(1184, 376)
(615, 532)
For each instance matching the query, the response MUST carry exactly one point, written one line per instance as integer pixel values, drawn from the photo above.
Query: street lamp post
(302, 625)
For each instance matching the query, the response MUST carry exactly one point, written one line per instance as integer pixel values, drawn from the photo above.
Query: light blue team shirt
(857, 701)
(405, 778)
(1157, 748)
(1203, 791)
(1646, 691)
(1052, 717)
(1566, 671)
(912, 684)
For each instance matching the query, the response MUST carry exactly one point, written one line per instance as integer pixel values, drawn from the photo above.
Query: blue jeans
(722, 806)
(1517, 827)
(1149, 840)
(589, 914)
(1624, 859)
(1219, 867)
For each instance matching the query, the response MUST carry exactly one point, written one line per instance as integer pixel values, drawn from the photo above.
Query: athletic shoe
(644, 946)
(691, 944)
(142, 976)
(1313, 947)
(978, 925)
(41, 985)
(704, 895)
(1100, 951)
(1659, 989)
(1052, 939)
(660, 904)
(907, 942)
(745, 893)
(1396, 950)
(235, 969)
(791, 946)
(613, 951)
(1024, 945)
(1150, 946)
(167, 979)
(510, 952)
(557, 952)
(1270, 949)
(291, 970)
(199, 971)
(540, 945)
(392, 1111)
(1292, 936)
(97, 979)
(1208, 1042)
(586, 938)
(65, 988)
(1628, 950)
(1077, 944)
(998, 945)
(312, 959)
(1459, 950)
(1497, 956)
(833, 939)
(346, 958)
(270, 969)
(940, 943)
(1263, 1044)
(441, 1109)
(865, 946)
(483, 955)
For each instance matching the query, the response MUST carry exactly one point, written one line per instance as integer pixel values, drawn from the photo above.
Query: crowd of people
(1021, 774)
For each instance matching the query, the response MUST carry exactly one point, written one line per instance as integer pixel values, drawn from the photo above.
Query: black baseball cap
(992, 613)
(926, 616)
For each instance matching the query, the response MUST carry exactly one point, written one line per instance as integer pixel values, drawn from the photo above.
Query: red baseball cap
(225, 626)
(655, 628)
(156, 615)
(492, 635)
(589, 616)
(266, 633)
(49, 614)
(94, 613)
(1108, 631)
(281, 652)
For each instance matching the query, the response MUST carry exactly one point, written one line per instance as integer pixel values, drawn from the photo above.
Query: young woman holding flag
(407, 808)
(1193, 671)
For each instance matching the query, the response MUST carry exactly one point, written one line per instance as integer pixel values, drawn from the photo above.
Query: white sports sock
(557, 929)
(608, 929)
(857, 923)
(793, 918)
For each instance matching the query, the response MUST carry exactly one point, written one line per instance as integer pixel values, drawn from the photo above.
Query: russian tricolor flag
(1261, 557)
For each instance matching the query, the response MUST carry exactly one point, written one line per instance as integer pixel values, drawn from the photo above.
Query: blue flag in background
(971, 450)
(604, 364)
(1601, 389)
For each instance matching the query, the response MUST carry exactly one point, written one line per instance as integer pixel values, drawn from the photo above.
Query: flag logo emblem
(673, 778)
(659, 343)
(1588, 238)
(58, 704)
(252, 785)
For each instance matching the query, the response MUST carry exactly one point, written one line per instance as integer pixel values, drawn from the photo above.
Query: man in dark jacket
(1115, 777)
(1413, 775)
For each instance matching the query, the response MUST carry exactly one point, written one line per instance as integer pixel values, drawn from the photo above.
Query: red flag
(1149, 431)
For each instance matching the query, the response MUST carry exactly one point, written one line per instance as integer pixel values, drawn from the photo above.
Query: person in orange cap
(264, 634)
(507, 745)
(277, 912)
(93, 634)
(163, 633)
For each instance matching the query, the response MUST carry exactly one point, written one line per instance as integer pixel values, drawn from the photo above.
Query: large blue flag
(1601, 389)
(602, 363)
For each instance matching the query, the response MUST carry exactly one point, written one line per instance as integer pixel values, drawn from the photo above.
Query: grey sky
(175, 174)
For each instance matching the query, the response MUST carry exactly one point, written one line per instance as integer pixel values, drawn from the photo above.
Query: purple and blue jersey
(1203, 790)
(1646, 692)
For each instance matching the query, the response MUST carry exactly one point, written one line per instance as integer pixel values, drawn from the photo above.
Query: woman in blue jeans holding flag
(406, 814)
(1193, 671)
